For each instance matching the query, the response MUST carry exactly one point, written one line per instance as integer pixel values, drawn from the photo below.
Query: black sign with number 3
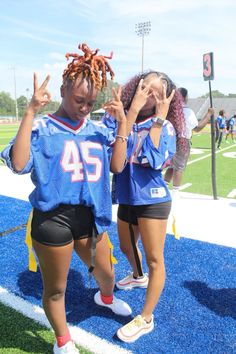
(208, 67)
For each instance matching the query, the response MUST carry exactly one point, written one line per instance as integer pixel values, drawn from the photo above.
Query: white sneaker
(130, 282)
(118, 306)
(135, 329)
(68, 348)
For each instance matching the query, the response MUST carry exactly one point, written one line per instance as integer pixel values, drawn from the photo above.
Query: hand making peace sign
(115, 107)
(162, 102)
(141, 95)
(41, 96)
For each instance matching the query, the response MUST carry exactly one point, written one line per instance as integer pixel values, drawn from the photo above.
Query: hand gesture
(115, 107)
(162, 102)
(141, 95)
(41, 96)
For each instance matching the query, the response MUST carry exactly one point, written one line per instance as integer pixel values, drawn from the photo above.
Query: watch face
(160, 121)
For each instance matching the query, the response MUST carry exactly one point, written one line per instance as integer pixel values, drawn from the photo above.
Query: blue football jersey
(141, 181)
(69, 164)
(231, 122)
(221, 122)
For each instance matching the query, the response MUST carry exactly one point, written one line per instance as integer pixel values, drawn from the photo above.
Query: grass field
(22, 335)
(198, 171)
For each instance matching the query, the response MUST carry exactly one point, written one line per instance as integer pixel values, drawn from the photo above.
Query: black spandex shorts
(62, 225)
(131, 213)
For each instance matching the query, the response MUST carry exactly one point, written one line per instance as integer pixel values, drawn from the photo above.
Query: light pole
(16, 106)
(27, 95)
(142, 29)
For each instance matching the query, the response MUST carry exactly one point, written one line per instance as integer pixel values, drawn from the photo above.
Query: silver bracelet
(124, 138)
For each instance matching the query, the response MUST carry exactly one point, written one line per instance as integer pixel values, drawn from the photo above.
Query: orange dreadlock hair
(91, 65)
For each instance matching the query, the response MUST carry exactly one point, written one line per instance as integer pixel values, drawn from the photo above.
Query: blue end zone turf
(196, 312)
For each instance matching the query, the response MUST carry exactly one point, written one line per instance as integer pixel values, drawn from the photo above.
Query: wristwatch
(158, 120)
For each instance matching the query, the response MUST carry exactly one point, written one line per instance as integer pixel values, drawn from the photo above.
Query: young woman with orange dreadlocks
(69, 162)
(154, 109)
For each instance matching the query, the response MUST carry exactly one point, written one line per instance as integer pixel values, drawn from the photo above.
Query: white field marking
(232, 194)
(184, 186)
(204, 157)
(87, 340)
(231, 154)
(196, 151)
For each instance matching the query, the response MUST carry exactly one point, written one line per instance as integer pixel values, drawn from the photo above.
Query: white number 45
(71, 162)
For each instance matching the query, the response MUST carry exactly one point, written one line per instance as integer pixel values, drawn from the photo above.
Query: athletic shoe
(119, 307)
(135, 329)
(68, 348)
(130, 282)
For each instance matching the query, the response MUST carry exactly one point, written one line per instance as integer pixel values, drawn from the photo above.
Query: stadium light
(143, 29)
(16, 105)
(28, 95)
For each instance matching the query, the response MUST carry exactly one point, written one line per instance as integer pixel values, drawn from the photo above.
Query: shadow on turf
(221, 301)
(79, 299)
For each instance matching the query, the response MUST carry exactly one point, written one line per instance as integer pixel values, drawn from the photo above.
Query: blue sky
(35, 35)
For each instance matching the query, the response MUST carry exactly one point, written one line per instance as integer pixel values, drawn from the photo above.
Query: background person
(178, 164)
(230, 128)
(221, 123)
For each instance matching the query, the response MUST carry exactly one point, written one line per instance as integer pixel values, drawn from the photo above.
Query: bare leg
(169, 174)
(153, 233)
(177, 178)
(126, 245)
(104, 270)
(54, 265)
(220, 138)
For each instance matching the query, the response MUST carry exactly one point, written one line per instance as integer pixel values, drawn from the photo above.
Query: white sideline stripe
(184, 186)
(204, 157)
(232, 194)
(87, 340)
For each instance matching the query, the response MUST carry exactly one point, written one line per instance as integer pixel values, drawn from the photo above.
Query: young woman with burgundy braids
(69, 162)
(154, 119)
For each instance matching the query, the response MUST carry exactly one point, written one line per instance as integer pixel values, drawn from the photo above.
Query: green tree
(215, 94)
(22, 103)
(105, 95)
(51, 107)
(7, 104)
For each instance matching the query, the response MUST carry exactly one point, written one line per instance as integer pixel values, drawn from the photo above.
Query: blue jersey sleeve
(6, 157)
(157, 157)
(110, 123)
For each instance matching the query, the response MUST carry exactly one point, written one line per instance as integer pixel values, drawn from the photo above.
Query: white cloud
(182, 31)
(40, 39)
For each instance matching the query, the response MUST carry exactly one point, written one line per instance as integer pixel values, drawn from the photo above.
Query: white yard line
(208, 155)
(184, 186)
(232, 194)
